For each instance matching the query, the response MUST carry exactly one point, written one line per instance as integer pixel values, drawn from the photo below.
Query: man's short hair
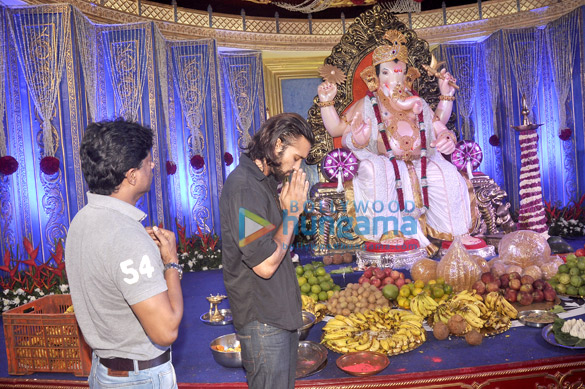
(285, 126)
(109, 149)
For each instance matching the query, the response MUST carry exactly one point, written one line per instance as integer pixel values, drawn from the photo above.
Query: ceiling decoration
(312, 6)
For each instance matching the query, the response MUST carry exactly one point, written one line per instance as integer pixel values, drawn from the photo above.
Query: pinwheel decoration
(340, 165)
(467, 156)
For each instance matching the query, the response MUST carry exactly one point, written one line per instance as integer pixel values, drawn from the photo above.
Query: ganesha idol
(404, 185)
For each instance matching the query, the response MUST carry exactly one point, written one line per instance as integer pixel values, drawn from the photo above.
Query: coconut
(440, 331)
(473, 338)
(457, 325)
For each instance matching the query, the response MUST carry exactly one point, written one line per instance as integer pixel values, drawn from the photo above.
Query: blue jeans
(269, 355)
(159, 377)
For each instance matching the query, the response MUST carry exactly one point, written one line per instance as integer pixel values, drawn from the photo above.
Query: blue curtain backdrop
(191, 96)
(126, 71)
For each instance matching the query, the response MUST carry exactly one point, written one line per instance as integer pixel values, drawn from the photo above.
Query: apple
(379, 273)
(539, 284)
(504, 280)
(550, 294)
(515, 283)
(407, 280)
(511, 295)
(525, 298)
(396, 274)
(399, 282)
(479, 287)
(369, 272)
(580, 252)
(514, 275)
(498, 282)
(526, 279)
(547, 286)
(492, 287)
(526, 288)
(538, 295)
(376, 282)
(387, 280)
(387, 272)
(487, 277)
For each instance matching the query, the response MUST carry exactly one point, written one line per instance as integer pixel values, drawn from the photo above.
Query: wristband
(325, 103)
(447, 98)
(176, 266)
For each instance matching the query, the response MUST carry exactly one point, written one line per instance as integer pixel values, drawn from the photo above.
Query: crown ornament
(395, 49)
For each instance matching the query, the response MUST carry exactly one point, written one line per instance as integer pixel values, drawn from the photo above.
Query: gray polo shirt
(275, 301)
(112, 263)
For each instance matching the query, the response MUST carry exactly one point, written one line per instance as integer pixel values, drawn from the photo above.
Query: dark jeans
(269, 355)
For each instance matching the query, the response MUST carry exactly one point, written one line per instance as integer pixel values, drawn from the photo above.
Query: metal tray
(312, 358)
(227, 318)
(523, 318)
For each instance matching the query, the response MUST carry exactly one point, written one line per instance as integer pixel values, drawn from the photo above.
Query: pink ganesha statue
(400, 143)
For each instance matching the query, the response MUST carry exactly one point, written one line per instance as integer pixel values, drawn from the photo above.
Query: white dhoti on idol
(375, 197)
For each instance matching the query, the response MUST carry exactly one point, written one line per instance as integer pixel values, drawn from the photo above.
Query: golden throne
(351, 55)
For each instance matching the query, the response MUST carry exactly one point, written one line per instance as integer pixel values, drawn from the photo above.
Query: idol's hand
(446, 83)
(444, 144)
(360, 130)
(326, 91)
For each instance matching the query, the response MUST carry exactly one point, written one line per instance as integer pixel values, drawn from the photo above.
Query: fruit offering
(468, 311)
(570, 277)
(437, 290)
(382, 277)
(524, 290)
(384, 330)
(356, 298)
(315, 282)
(317, 309)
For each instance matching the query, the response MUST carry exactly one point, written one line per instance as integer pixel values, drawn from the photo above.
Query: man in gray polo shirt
(124, 278)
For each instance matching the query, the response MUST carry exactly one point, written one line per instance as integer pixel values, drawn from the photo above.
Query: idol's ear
(370, 78)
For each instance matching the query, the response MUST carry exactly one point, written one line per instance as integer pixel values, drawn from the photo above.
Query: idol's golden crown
(396, 49)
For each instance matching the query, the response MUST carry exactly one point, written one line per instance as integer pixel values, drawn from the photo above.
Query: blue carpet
(194, 363)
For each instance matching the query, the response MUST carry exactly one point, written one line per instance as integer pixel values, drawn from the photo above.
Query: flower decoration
(8, 165)
(49, 165)
(495, 140)
(200, 252)
(171, 168)
(331, 74)
(197, 162)
(565, 134)
(228, 158)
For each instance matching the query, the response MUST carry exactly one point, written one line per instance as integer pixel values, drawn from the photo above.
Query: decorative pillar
(531, 215)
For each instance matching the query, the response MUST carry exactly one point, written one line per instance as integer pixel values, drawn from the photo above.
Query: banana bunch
(317, 309)
(468, 305)
(497, 321)
(496, 302)
(423, 305)
(384, 330)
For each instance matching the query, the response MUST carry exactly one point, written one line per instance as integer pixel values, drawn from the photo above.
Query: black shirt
(275, 301)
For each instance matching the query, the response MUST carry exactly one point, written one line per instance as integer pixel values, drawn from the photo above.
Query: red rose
(49, 165)
(197, 162)
(171, 168)
(565, 134)
(8, 165)
(228, 159)
(494, 140)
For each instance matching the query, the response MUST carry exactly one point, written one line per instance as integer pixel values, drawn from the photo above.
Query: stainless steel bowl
(308, 321)
(230, 358)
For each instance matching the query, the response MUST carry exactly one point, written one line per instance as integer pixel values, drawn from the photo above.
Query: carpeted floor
(194, 363)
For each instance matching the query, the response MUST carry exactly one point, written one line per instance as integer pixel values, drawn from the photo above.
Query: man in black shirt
(258, 273)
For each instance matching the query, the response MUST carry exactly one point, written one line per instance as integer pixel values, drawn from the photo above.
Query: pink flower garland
(171, 168)
(228, 158)
(197, 162)
(494, 140)
(565, 134)
(50, 165)
(8, 165)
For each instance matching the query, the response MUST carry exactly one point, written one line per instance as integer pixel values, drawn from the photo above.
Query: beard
(279, 174)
